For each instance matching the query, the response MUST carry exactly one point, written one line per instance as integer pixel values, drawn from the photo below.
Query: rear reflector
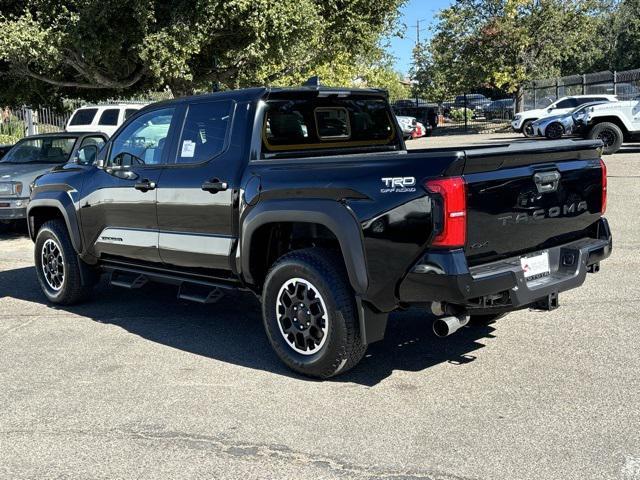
(454, 209)
(604, 186)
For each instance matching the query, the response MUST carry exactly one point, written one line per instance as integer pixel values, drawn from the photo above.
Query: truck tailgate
(525, 198)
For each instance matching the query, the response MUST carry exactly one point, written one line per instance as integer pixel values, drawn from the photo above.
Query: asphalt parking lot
(138, 384)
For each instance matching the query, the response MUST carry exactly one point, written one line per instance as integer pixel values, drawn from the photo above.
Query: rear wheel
(527, 128)
(610, 134)
(309, 314)
(57, 265)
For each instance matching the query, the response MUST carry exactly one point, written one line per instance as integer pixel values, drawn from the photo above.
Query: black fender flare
(61, 201)
(329, 213)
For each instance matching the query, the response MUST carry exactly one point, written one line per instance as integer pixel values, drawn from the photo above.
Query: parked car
(332, 229)
(522, 121)
(554, 127)
(31, 157)
(407, 125)
(473, 101)
(612, 123)
(499, 109)
(101, 118)
(419, 131)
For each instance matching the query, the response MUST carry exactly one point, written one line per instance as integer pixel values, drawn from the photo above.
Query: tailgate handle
(547, 181)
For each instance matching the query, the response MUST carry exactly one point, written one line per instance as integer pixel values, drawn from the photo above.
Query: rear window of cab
(326, 123)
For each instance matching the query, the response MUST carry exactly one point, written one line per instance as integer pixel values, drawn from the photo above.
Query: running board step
(127, 280)
(199, 293)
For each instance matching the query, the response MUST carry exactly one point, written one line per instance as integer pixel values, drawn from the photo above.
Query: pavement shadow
(232, 331)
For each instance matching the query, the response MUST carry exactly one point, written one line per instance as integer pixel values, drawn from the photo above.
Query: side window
(205, 131)
(142, 141)
(83, 116)
(97, 141)
(568, 103)
(129, 111)
(109, 117)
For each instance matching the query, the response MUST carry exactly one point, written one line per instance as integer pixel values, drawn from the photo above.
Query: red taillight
(454, 209)
(603, 167)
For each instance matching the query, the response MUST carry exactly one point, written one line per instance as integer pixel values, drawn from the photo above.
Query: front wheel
(309, 314)
(57, 265)
(527, 128)
(554, 131)
(610, 134)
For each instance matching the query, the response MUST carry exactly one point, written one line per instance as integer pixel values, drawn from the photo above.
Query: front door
(118, 212)
(196, 190)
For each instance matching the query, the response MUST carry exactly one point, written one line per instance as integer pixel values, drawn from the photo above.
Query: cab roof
(260, 93)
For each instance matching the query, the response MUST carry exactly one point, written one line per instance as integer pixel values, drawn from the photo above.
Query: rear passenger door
(196, 190)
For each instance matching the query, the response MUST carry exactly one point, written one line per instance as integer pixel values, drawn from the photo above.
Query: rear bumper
(501, 285)
(13, 209)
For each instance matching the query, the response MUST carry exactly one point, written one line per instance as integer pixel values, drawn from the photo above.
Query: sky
(414, 10)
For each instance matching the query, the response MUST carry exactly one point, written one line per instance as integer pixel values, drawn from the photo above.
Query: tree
(624, 37)
(99, 48)
(503, 44)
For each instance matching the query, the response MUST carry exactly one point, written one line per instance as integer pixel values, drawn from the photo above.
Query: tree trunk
(520, 99)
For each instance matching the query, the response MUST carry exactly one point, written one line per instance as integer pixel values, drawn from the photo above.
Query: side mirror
(86, 155)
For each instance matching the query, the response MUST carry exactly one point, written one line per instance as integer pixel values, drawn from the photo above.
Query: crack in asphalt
(256, 451)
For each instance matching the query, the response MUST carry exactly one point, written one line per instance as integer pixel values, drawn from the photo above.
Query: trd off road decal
(398, 184)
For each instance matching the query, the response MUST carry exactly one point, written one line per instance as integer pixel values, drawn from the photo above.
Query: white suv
(522, 121)
(101, 118)
(613, 123)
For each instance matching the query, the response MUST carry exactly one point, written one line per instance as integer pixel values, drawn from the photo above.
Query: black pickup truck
(308, 198)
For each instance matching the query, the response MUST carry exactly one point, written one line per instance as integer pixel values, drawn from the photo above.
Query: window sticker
(188, 149)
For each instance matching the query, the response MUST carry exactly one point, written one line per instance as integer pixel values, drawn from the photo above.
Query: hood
(551, 118)
(25, 173)
(538, 113)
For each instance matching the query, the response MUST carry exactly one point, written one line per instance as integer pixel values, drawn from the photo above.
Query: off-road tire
(527, 129)
(611, 130)
(323, 269)
(71, 290)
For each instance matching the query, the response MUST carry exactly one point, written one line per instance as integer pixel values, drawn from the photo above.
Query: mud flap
(372, 324)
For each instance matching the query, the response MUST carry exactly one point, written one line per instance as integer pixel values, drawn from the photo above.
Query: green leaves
(105, 47)
(501, 44)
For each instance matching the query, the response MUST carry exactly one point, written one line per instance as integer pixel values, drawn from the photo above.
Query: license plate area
(535, 266)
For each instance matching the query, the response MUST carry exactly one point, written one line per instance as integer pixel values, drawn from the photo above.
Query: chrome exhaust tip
(445, 326)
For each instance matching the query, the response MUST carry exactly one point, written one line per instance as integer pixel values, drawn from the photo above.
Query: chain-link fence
(468, 113)
(541, 93)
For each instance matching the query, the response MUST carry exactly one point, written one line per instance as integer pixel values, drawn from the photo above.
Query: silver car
(557, 126)
(33, 156)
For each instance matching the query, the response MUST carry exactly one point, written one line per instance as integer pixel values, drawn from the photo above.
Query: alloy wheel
(607, 137)
(52, 264)
(302, 316)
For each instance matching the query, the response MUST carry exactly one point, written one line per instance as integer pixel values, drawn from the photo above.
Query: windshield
(581, 108)
(41, 150)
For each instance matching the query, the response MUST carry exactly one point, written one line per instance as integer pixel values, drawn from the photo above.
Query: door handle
(145, 186)
(215, 186)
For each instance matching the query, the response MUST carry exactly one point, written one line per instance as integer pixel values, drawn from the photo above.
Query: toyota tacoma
(308, 198)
